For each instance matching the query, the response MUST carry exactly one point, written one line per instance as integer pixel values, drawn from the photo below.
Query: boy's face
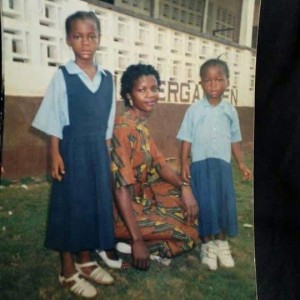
(84, 39)
(214, 83)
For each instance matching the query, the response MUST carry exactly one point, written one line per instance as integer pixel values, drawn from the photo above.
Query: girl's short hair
(215, 62)
(133, 73)
(81, 15)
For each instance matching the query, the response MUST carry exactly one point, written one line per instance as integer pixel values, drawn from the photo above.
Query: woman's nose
(151, 94)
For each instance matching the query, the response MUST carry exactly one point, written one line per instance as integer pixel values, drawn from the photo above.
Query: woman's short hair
(131, 74)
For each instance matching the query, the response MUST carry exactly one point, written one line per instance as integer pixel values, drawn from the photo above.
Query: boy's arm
(185, 166)
(57, 164)
(238, 155)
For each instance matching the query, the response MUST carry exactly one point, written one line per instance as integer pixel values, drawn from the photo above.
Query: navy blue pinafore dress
(80, 213)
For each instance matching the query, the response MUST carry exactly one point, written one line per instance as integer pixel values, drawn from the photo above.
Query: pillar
(246, 24)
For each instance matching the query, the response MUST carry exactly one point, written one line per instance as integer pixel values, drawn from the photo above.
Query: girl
(211, 131)
(78, 113)
(155, 213)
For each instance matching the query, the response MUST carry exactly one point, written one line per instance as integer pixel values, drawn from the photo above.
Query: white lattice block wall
(34, 45)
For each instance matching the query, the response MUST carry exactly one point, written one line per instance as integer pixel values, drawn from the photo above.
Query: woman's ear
(129, 99)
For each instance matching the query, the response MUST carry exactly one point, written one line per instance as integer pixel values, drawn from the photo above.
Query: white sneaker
(223, 254)
(209, 255)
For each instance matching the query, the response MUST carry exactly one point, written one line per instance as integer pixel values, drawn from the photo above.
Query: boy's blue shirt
(210, 129)
(53, 113)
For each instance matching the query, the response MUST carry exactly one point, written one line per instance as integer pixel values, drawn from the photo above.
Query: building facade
(174, 36)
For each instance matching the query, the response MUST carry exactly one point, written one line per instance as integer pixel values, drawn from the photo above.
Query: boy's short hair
(214, 62)
(81, 15)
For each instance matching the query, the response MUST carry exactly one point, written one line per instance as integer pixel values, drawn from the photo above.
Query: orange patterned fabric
(156, 204)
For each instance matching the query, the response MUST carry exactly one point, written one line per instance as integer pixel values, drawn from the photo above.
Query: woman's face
(144, 95)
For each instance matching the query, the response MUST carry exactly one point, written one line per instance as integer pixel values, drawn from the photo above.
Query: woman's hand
(141, 256)
(140, 253)
(189, 204)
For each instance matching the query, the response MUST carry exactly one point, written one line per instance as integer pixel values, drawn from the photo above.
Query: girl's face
(84, 39)
(144, 95)
(214, 83)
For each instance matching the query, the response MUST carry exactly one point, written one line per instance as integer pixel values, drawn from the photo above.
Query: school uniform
(211, 130)
(80, 209)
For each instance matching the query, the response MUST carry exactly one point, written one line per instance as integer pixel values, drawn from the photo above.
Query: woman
(155, 210)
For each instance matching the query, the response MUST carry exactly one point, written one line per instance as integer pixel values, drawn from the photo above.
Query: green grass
(29, 271)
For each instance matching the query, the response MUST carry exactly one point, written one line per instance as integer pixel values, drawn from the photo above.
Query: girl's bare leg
(84, 257)
(67, 264)
(220, 236)
(206, 239)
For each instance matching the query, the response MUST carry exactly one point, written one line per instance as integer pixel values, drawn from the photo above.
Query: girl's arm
(53, 113)
(57, 164)
(189, 203)
(112, 115)
(140, 251)
(108, 144)
(185, 166)
(238, 155)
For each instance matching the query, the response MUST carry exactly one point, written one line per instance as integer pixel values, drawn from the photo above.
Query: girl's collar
(73, 68)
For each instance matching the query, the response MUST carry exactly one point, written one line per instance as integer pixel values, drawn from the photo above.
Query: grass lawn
(29, 271)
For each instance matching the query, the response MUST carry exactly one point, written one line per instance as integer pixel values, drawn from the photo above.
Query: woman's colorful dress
(156, 204)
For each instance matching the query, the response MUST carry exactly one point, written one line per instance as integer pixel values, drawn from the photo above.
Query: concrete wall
(25, 150)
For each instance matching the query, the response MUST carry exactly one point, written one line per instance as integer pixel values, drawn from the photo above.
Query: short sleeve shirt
(53, 113)
(210, 129)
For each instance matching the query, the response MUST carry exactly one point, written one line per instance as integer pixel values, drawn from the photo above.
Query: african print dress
(156, 204)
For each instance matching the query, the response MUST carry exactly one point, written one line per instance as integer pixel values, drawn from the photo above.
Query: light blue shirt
(53, 112)
(210, 130)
